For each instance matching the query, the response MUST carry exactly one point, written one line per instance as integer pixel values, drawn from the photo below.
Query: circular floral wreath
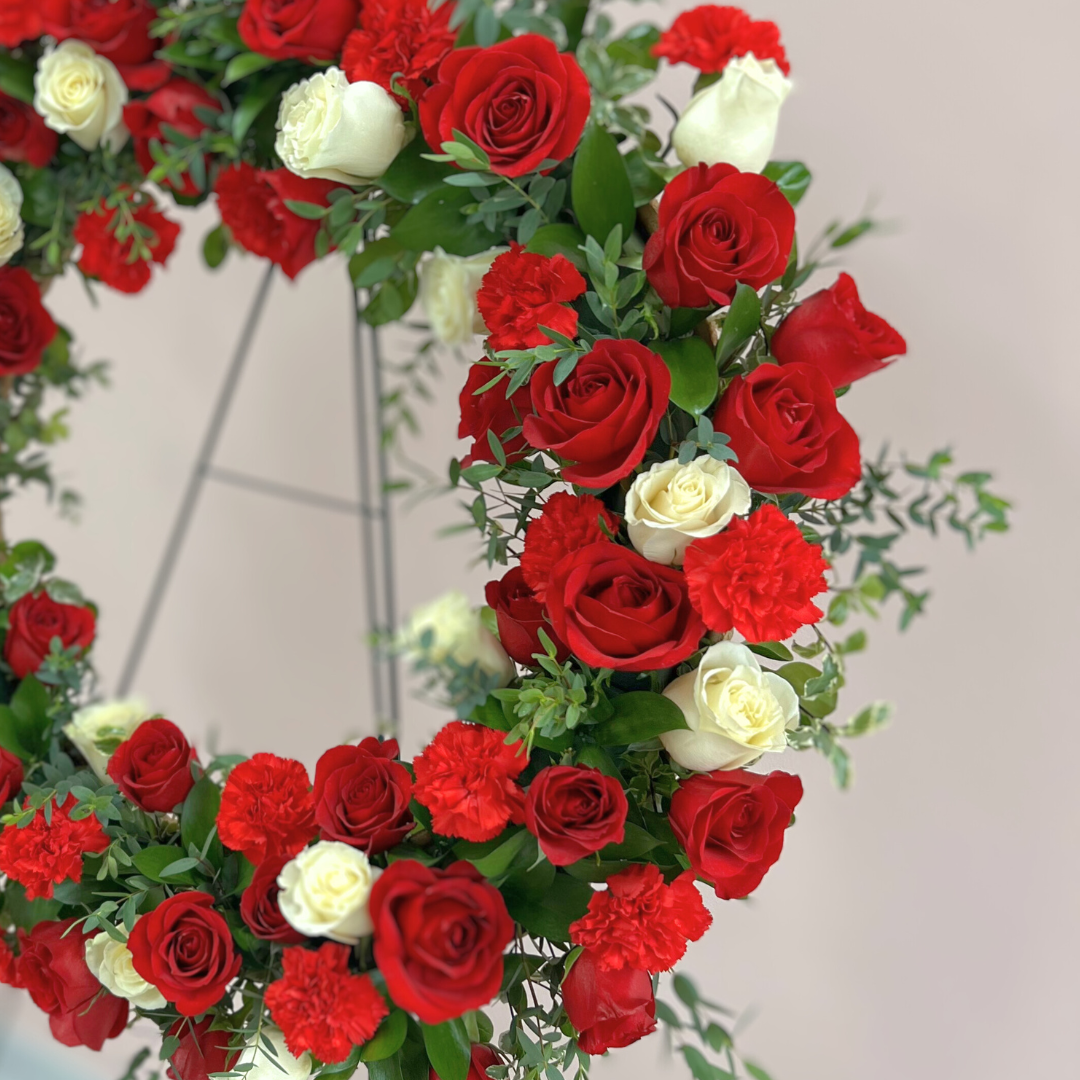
(657, 449)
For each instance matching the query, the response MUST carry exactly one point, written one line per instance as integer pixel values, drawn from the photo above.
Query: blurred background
(923, 923)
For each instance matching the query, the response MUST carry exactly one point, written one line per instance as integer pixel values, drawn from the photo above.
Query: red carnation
(566, 523)
(639, 922)
(267, 808)
(403, 37)
(26, 328)
(34, 620)
(153, 767)
(201, 1052)
(11, 776)
(522, 292)
(466, 779)
(44, 853)
(259, 905)
(116, 262)
(321, 1007)
(491, 411)
(520, 616)
(709, 37)
(608, 1009)
(23, 134)
(575, 811)
(362, 796)
(297, 29)
(20, 20)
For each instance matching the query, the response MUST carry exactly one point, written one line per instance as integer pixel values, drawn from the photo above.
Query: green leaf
(645, 182)
(741, 323)
(342, 1070)
(151, 861)
(600, 186)
(17, 78)
(596, 757)
(215, 247)
(308, 211)
(791, 177)
(448, 1049)
(259, 94)
(374, 253)
(774, 650)
(9, 735)
(635, 47)
(495, 862)
(26, 914)
(391, 301)
(437, 221)
(28, 716)
(694, 380)
(639, 716)
(866, 720)
(685, 320)
(559, 239)
(240, 67)
(388, 1040)
(199, 817)
(410, 176)
(565, 901)
(756, 1071)
(636, 843)
(798, 675)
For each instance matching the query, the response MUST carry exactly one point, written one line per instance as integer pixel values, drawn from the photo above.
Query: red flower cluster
(44, 853)
(640, 922)
(23, 134)
(34, 620)
(520, 617)
(491, 411)
(26, 328)
(466, 778)
(711, 36)
(153, 767)
(757, 576)
(608, 1009)
(297, 29)
(259, 905)
(114, 262)
(575, 811)
(321, 1007)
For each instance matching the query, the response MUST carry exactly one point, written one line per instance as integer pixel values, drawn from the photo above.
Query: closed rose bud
(608, 1009)
(12, 232)
(81, 95)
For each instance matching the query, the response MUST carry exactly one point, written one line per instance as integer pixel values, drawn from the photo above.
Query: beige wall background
(922, 924)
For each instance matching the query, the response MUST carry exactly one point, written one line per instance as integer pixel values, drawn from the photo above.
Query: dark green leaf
(437, 221)
(388, 1040)
(774, 650)
(151, 861)
(495, 862)
(448, 1049)
(561, 239)
(375, 251)
(791, 177)
(639, 716)
(694, 381)
(600, 187)
(411, 176)
(26, 914)
(644, 181)
(550, 915)
(17, 77)
(260, 93)
(240, 67)
(215, 247)
(199, 817)
(635, 46)
(741, 323)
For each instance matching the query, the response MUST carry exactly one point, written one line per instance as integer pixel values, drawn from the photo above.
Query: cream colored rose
(734, 120)
(457, 633)
(81, 95)
(98, 730)
(325, 890)
(12, 232)
(110, 963)
(282, 1066)
(331, 129)
(672, 505)
(736, 711)
(448, 288)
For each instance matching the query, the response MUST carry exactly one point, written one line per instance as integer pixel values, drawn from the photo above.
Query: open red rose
(481, 1058)
(615, 609)
(732, 825)
(520, 616)
(201, 1052)
(602, 418)
(491, 411)
(574, 811)
(20, 20)
(26, 328)
(608, 1009)
(34, 620)
(521, 101)
(439, 938)
(833, 332)
(710, 36)
(259, 906)
(52, 967)
(11, 776)
(23, 135)
(362, 796)
(185, 948)
(788, 433)
(153, 767)
(297, 29)
(718, 227)
(109, 260)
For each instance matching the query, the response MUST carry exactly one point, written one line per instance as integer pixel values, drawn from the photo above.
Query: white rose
(458, 633)
(672, 505)
(736, 711)
(81, 95)
(12, 232)
(110, 963)
(331, 129)
(325, 890)
(282, 1066)
(734, 121)
(448, 288)
(98, 730)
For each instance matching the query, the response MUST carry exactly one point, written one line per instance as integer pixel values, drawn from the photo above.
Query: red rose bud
(732, 824)
(11, 776)
(718, 227)
(297, 29)
(34, 620)
(520, 617)
(602, 418)
(114, 263)
(608, 1009)
(23, 134)
(833, 332)
(710, 36)
(153, 767)
(521, 101)
(201, 1052)
(788, 433)
(574, 811)
(26, 328)
(259, 906)
(491, 411)
(481, 1059)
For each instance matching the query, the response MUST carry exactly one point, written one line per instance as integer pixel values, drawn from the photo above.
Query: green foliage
(600, 187)
(638, 717)
(694, 380)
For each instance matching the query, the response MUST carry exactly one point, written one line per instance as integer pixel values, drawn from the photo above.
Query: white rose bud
(457, 633)
(736, 711)
(98, 730)
(282, 1066)
(110, 963)
(12, 232)
(672, 505)
(448, 288)
(325, 891)
(331, 129)
(735, 119)
(81, 95)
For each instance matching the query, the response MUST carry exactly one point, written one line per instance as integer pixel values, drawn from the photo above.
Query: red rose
(602, 418)
(522, 101)
(185, 949)
(109, 260)
(439, 938)
(20, 20)
(709, 37)
(520, 615)
(362, 796)
(153, 767)
(788, 433)
(297, 29)
(34, 620)
(732, 825)
(522, 292)
(832, 331)
(718, 227)
(52, 967)
(608, 1009)
(252, 205)
(575, 811)
(11, 776)
(259, 906)
(615, 609)
(491, 411)
(321, 1007)
(26, 328)
(201, 1051)
(118, 30)
(403, 37)
(482, 1058)
(23, 134)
